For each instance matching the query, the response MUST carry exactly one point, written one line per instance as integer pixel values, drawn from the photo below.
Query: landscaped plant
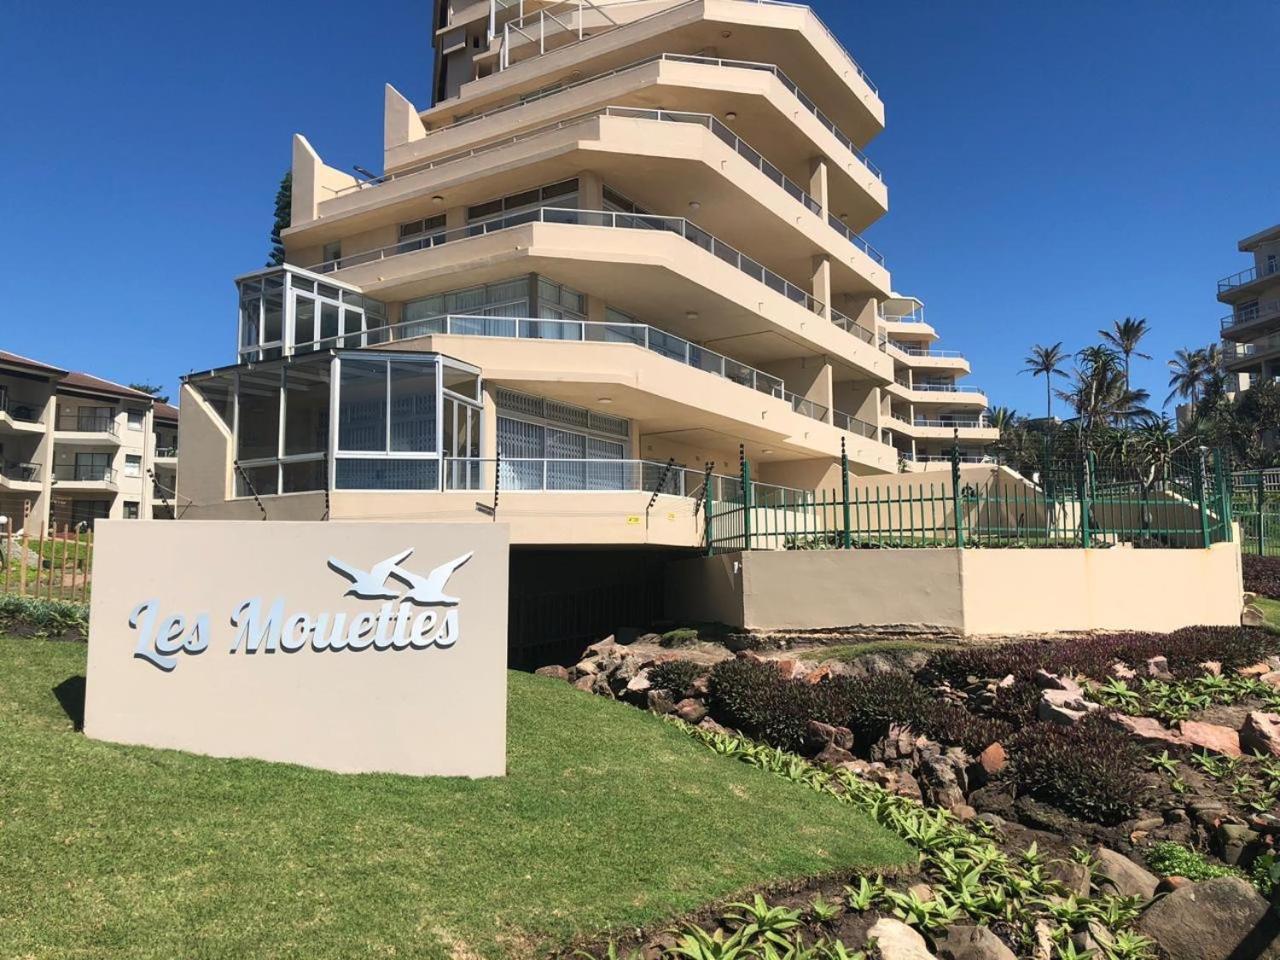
(46, 616)
(1086, 769)
(1262, 575)
(1170, 859)
(678, 636)
(675, 676)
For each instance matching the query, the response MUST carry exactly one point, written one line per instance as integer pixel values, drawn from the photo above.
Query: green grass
(609, 818)
(851, 651)
(1271, 610)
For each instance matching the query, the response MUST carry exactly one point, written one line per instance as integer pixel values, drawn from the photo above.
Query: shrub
(1262, 575)
(675, 676)
(754, 698)
(46, 616)
(678, 636)
(1088, 769)
(1170, 859)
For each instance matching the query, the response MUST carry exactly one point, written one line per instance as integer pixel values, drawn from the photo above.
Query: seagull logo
(425, 591)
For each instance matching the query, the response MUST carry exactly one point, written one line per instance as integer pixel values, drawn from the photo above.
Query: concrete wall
(974, 592)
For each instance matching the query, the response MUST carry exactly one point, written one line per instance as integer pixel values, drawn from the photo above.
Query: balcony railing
(926, 352)
(83, 473)
(852, 424)
(849, 326)
(1247, 276)
(567, 475)
(87, 423)
(20, 410)
(1250, 314)
(937, 387)
(1243, 351)
(718, 128)
(585, 331)
(166, 453)
(805, 100)
(590, 218)
(539, 34)
(20, 472)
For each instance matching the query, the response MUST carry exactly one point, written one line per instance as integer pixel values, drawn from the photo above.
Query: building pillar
(148, 463)
(818, 187)
(488, 438)
(42, 512)
(822, 284)
(590, 191)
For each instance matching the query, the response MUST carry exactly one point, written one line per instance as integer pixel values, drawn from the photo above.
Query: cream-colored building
(1251, 332)
(624, 244)
(75, 448)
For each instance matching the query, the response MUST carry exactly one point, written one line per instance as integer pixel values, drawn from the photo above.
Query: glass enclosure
(286, 311)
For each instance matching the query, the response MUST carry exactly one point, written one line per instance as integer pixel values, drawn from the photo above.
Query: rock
(1157, 668)
(691, 710)
(1122, 671)
(1261, 733)
(833, 756)
(702, 685)
(1063, 706)
(790, 669)
(1252, 616)
(1210, 736)
(942, 782)
(898, 744)
(584, 668)
(993, 759)
(896, 941)
(971, 943)
(1118, 873)
(818, 735)
(1073, 876)
(1259, 669)
(555, 672)
(596, 683)
(906, 785)
(1051, 681)
(1211, 667)
(1219, 919)
(1042, 932)
(639, 682)
(596, 649)
(994, 798)
(1149, 731)
(921, 891)
(659, 701)
(627, 670)
(1170, 884)
(1232, 843)
(706, 723)
(1271, 679)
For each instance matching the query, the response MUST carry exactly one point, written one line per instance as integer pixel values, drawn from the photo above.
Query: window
(540, 440)
(284, 312)
(86, 511)
(137, 419)
(131, 510)
(617, 203)
(523, 207)
(92, 466)
(332, 251)
(506, 298)
(132, 465)
(258, 432)
(419, 228)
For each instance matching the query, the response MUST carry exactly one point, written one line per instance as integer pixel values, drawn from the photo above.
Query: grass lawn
(851, 651)
(609, 818)
(1271, 610)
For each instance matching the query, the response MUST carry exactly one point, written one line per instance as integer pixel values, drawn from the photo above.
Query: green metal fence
(1184, 502)
(1256, 508)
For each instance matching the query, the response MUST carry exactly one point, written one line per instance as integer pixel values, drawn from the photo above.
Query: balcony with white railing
(84, 476)
(1246, 277)
(1246, 319)
(716, 127)
(74, 426)
(635, 334)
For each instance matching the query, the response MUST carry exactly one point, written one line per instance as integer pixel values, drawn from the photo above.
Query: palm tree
(1189, 372)
(1099, 392)
(1124, 336)
(1002, 418)
(1046, 362)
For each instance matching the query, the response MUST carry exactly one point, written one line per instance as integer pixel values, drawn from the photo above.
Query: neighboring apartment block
(75, 448)
(623, 244)
(1251, 332)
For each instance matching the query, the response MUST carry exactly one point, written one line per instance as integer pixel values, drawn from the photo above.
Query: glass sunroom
(350, 421)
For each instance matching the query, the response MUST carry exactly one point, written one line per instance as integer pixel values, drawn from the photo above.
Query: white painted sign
(349, 646)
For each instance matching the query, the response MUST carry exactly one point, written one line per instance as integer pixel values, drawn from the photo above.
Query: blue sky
(1051, 167)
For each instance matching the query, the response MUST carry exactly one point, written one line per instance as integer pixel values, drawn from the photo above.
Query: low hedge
(675, 676)
(1262, 575)
(32, 615)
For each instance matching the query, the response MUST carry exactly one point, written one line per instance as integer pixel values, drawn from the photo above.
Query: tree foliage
(283, 218)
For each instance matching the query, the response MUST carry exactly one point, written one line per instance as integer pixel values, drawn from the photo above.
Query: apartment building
(1251, 331)
(75, 448)
(623, 248)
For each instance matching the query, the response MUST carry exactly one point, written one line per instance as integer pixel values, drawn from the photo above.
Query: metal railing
(852, 424)
(525, 30)
(20, 472)
(18, 410)
(166, 453)
(590, 218)
(87, 423)
(641, 335)
(937, 387)
(564, 475)
(1250, 314)
(926, 352)
(1247, 276)
(83, 473)
(981, 423)
(805, 100)
(705, 120)
(849, 326)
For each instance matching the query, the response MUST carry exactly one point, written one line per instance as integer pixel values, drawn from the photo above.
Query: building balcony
(926, 358)
(1240, 357)
(166, 457)
(972, 429)
(1249, 321)
(1230, 288)
(953, 394)
(69, 477)
(761, 103)
(538, 44)
(651, 266)
(76, 428)
(20, 476)
(20, 416)
(660, 159)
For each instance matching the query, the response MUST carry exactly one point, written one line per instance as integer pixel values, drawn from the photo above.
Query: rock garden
(1111, 796)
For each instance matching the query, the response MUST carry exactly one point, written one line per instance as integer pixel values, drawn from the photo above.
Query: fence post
(708, 507)
(1086, 503)
(745, 469)
(1260, 503)
(847, 537)
(1223, 495)
(1201, 467)
(955, 489)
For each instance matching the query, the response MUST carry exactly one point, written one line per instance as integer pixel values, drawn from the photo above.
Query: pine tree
(284, 216)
